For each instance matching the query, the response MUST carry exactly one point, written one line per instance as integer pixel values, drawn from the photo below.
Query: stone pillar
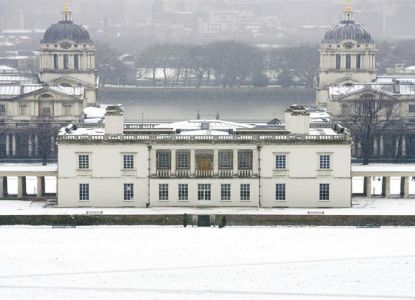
(404, 146)
(215, 162)
(405, 186)
(39, 185)
(36, 145)
(30, 146)
(381, 145)
(20, 187)
(397, 146)
(386, 186)
(235, 162)
(153, 162)
(13, 145)
(375, 147)
(192, 162)
(359, 149)
(1, 187)
(173, 161)
(255, 162)
(52, 144)
(368, 186)
(4, 185)
(7, 145)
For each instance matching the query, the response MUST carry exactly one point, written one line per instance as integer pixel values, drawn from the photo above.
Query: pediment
(357, 95)
(73, 81)
(47, 94)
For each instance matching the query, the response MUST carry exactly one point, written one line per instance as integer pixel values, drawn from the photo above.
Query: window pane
(203, 192)
(324, 191)
(183, 160)
(225, 192)
(163, 160)
(325, 161)
(280, 160)
(280, 191)
(128, 191)
(83, 161)
(245, 160)
(245, 192)
(183, 192)
(225, 160)
(163, 192)
(84, 191)
(128, 161)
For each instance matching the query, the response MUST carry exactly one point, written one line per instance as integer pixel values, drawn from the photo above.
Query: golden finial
(348, 6)
(66, 6)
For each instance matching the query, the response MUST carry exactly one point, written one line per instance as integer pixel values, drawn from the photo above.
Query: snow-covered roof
(14, 90)
(387, 88)
(200, 125)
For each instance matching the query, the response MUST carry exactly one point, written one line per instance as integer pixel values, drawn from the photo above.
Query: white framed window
(325, 161)
(280, 191)
(183, 160)
(245, 192)
(128, 161)
(128, 191)
(203, 191)
(163, 192)
(225, 192)
(324, 192)
(280, 161)
(225, 160)
(183, 192)
(83, 161)
(411, 108)
(84, 191)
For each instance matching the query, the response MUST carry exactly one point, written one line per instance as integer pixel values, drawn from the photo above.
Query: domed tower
(67, 56)
(347, 56)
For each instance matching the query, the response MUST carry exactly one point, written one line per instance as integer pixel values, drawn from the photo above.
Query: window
(183, 192)
(163, 160)
(225, 192)
(163, 192)
(76, 61)
(45, 111)
(411, 107)
(280, 161)
(325, 161)
(84, 191)
(68, 110)
(358, 61)
(348, 61)
(128, 161)
(128, 191)
(225, 160)
(23, 109)
(245, 192)
(83, 161)
(324, 192)
(245, 160)
(183, 160)
(55, 61)
(65, 61)
(280, 191)
(203, 192)
(338, 61)
(2, 109)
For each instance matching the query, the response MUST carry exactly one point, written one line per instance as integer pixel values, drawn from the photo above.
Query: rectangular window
(225, 192)
(280, 161)
(84, 191)
(280, 191)
(2, 108)
(245, 160)
(55, 61)
(76, 61)
(348, 61)
(128, 191)
(183, 192)
(338, 61)
(358, 61)
(128, 161)
(65, 61)
(163, 160)
(245, 192)
(163, 192)
(203, 192)
(225, 160)
(411, 107)
(83, 161)
(183, 160)
(324, 161)
(68, 110)
(324, 192)
(23, 109)
(45, 111)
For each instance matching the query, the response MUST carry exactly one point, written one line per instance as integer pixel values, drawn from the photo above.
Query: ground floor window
(245, 192)
(183, 192)
(280, 191)
(84, 191)
(324, 192)
(225, 192)
(163, 192)
(203, 192)
(128, 191)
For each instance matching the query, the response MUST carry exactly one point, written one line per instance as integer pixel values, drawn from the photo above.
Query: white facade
(248, 166)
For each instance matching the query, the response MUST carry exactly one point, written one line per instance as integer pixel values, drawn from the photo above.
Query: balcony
(225, 173)
(182, 173)
(245, 173)
(204, 173)
(163, 173)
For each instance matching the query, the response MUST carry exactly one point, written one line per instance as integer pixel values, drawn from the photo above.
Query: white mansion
(204, 163)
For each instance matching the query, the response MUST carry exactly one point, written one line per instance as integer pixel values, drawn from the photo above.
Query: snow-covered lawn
(207, 263)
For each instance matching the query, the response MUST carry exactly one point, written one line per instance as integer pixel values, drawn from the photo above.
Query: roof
(66, 30)
(405, 89)
(15, 90)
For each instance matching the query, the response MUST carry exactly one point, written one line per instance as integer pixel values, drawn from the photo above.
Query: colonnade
(21, 187)
(32, 145)
(368, 189)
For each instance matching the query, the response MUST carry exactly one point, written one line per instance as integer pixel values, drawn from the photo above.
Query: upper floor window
(325, 161)
(183, 160)
(128, 161)
(245, 160)
(225, 159)
(280, 161)
(411, 107)
(83, 161)
(163, 160)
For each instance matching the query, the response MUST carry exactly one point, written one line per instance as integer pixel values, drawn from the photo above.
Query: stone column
(386, 186)
(375, 147)
(235, 162)
(255, 162)
(397, 146)
(405, 186)
(215, 162)
(192, 162)
(153, 162)
(36, 145)
(173, 161)
(20, 187)
(30, 146)
(7, 145)
(13, 145)
(39, 185)
(1, 187)
(381, 145)
(359, 149)
(404, 146)
(368, 186)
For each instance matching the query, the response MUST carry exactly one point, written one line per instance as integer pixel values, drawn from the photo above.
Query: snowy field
(207, 263)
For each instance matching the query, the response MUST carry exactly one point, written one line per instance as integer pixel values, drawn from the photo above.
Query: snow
(397, 168)
(294, 263)
(9, 168)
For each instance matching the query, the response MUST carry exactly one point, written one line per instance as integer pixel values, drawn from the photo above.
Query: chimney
(114, 119)
(297, 120)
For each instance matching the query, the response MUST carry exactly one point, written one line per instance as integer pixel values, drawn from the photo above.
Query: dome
(66, 30)
(348, 30)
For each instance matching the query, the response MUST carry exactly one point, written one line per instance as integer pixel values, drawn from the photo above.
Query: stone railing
(244, 173)
(204, 173)
(163, 173)
(182, 173)
(225, 173)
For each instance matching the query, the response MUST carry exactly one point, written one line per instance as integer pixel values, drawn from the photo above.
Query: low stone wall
(215, 220)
